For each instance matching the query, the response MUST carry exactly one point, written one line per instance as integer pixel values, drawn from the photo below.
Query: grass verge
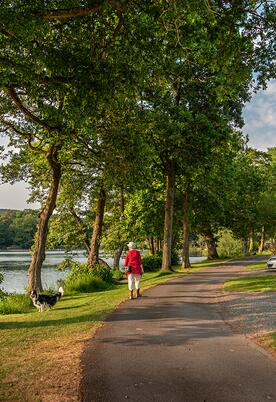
(256, 266)
(266, 283)
(269, 341)
(40, 352)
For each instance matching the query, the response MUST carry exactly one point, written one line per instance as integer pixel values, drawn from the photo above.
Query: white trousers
(133, 279)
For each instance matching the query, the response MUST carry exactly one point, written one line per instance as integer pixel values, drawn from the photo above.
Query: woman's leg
(137, 278)
(130, 280)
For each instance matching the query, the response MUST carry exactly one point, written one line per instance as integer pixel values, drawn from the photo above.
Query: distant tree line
(17, 228)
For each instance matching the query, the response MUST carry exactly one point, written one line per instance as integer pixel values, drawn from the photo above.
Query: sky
(260, 126)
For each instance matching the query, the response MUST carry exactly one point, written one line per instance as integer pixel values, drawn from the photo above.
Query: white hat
(131, 244)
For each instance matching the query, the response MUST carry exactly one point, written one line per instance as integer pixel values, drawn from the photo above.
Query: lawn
(256, 266)
(264, 283)
(41, 352)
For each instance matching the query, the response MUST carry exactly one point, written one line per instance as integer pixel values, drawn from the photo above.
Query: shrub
(84, 279)
(152, 263)
(227, 245)
(103, 272)
(175, 258)
(15, 304)
(85, 283)
(117, 274)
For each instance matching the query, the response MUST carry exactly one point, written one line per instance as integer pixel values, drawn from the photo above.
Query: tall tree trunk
(186, 228)
(245, 248)
(38, 254)
(211, 245)
(118, 253)
(151, 245)
(93, 257)
(251, 240)
(157, 245)
(168, 224)
(262, 242)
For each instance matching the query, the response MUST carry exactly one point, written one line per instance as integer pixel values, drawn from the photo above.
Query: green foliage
(15, 304)
(82, 278)
(152, 263)
(175, 257)
(117, 274)
(17, 228)
(85, 283)
(227, 245)
(103, 272)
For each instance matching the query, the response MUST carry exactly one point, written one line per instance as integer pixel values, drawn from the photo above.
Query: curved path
(172, 345)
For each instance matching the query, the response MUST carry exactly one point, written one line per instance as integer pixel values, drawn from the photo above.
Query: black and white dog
(42, 301)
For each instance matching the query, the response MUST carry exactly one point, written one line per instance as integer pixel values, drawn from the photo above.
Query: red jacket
(133, 259)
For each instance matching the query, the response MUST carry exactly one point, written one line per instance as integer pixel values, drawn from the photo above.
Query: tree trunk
(211, 245)
(251, 241)
(168, 224)
(186, 228)
(262, 242)
(151, 245)
(118, 253)
(158, 245)
(245, 248)
(38, 254)
(93, 257)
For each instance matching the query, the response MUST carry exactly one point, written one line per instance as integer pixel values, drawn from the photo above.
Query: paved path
(173, 346)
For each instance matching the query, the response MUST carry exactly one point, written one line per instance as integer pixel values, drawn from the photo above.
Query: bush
(15, 304)
(152, 263)
(175, 258)
(117, 274)
(103, 272)
(227, 245)
(84, 279)
(85, 283)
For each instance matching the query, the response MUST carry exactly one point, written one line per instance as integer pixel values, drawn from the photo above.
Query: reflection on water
(14, 265)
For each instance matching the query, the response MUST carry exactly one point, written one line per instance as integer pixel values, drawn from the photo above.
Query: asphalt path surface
(172, 345)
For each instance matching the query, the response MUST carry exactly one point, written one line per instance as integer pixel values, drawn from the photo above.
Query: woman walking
(134, 269)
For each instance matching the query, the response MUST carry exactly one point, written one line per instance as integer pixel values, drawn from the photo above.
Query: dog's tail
(61, 291)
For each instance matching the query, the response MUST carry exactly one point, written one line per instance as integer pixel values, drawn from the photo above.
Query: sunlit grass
(269, 340)
(256, 266)
(251, 284)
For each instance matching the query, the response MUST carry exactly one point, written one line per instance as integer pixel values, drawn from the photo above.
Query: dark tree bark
(186, 228)
(38, 255)
(151, 245)
(118, 253)
(158, 245)
(211, 245)
(93, 257)
(168, 224)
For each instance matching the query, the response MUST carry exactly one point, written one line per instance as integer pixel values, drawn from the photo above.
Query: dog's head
(33, 293)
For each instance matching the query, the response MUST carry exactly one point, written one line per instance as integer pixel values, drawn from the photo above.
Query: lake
(14, 265)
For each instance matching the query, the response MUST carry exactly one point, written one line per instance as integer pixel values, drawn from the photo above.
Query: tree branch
(27, 112)
(121, 6)
(71, 12)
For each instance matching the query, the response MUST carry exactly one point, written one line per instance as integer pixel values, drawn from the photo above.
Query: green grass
(34, 344)
(265, 283)
(269, 340)
(256, 266)
(15, 304)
